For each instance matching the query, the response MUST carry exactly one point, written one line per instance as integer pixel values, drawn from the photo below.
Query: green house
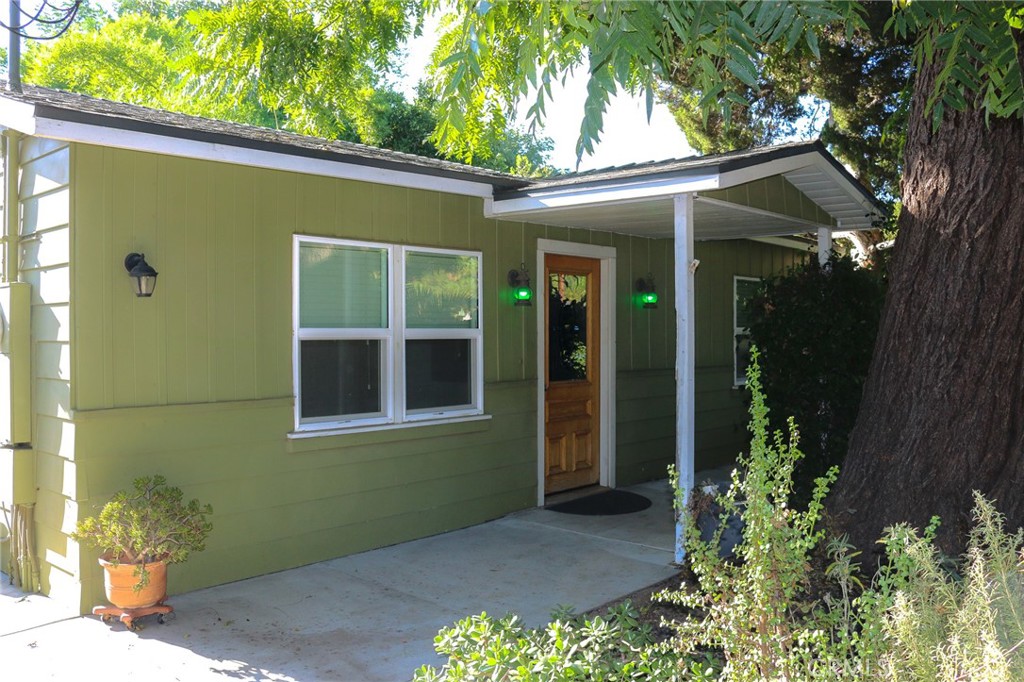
(347, 347)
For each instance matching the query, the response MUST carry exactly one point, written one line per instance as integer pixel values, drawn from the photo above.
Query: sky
(628, 137)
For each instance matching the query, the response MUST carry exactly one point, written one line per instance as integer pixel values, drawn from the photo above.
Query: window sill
(344, 431)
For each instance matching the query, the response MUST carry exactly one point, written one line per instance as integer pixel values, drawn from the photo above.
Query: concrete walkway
(362, 618)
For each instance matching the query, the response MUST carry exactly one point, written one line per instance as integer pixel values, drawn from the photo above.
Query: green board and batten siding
(645, 396)
(196, 382)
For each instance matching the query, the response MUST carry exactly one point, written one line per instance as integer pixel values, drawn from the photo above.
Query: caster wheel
(106, 618)
(163, 619)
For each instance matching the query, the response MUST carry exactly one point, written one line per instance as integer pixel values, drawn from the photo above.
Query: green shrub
(569, 648)
(916, 620)
(816, 328)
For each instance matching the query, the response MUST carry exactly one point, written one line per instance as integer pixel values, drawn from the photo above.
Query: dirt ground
(652, 612)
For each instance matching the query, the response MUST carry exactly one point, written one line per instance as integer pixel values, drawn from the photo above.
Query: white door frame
(606, 423)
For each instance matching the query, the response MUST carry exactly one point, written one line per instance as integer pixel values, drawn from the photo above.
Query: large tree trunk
(943, 406)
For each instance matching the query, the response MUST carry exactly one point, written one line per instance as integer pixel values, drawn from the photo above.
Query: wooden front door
(572, 442)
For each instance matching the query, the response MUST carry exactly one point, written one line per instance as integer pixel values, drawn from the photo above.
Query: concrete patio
(362, 618)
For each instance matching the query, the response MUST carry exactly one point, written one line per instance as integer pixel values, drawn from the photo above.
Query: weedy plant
(917, 619)
(950, 627)
(752, 612)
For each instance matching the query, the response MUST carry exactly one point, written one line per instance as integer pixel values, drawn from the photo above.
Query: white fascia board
(18, 116)
(759, 171)
(257, 158)
(569, 197)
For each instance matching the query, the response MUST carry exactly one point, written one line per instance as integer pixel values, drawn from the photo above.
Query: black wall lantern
(142, 273)
(648, 294)
(519, 280)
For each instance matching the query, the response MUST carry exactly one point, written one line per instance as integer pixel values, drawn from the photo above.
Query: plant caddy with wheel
(139, 532)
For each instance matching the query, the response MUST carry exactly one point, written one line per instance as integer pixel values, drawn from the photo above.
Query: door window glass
(567, 327)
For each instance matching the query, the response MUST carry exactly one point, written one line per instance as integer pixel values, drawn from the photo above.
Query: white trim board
(607, 256)
(623, 192)
(18, 116)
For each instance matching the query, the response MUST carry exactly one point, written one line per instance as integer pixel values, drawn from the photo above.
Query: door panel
(572, 372)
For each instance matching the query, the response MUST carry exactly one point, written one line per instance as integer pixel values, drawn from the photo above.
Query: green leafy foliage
(815, 327)
(608, 648)
(739, 73)
(139, 58)
(854, 94)
(974, 44)
(771, 615)
(150, 523)
(316, 62)
(496, 53)
(313, 67)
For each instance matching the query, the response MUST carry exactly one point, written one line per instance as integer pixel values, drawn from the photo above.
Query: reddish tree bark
(943, 406)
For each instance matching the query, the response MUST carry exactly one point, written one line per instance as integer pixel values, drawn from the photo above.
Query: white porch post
(824, 244)
(685, 365)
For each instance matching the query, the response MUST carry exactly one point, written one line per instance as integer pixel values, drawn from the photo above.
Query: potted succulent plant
(140, 531)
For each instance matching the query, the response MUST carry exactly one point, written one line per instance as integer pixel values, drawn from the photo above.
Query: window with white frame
(743, 291)
(385, 334)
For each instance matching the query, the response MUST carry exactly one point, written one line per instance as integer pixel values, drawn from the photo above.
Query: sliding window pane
(340, 378)
(438, 373)
(441, 291)
(342, 287)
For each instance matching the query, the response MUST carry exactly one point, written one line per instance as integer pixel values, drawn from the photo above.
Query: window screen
(342, 287)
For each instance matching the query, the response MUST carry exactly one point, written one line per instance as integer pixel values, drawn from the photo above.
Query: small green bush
(569, 648)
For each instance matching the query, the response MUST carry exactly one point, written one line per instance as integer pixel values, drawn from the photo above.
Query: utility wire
(60, 17)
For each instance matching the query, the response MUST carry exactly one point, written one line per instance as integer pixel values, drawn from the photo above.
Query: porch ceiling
(654, 218)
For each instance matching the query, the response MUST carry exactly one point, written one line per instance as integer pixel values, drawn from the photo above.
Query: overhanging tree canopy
(310, 67)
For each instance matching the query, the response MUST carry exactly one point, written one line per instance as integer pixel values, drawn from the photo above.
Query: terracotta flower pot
(120, 580)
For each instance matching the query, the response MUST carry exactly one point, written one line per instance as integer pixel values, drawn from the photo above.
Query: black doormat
(608, 503)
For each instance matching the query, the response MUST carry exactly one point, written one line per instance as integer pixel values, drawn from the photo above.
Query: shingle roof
(72, 107)
(60, 105)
